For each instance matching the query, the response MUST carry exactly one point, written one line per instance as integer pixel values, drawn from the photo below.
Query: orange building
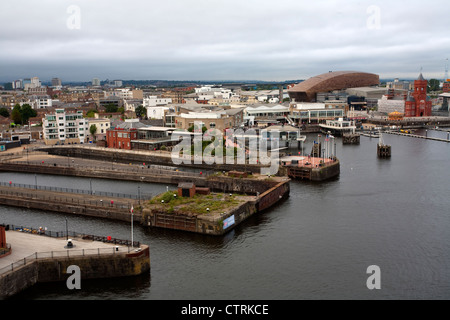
(2, 238)
(446, 87)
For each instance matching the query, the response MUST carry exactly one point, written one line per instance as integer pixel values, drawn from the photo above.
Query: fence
(71, 252)
(115, 167)
(67, 200)
(60, 254)
(77, 191)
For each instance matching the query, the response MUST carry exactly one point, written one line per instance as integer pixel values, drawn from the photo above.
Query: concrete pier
(71, 203)
(311, 168)
(236, 209)
(417, 136)
(38, 258)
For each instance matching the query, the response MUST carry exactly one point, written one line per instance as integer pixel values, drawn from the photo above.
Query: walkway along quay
(262, 192)
(163, 158)
(417, 136)
(114, 208)
(43, 256)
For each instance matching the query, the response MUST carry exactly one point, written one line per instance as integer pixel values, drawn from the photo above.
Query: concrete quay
(417, 136)
(265, 191)
(38, 258)
(232, 211)
(70, 203)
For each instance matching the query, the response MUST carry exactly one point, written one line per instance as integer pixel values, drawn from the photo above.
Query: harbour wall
(138, 157)
(91, 267)
(216, 183)
(214, 225)
(56, 202)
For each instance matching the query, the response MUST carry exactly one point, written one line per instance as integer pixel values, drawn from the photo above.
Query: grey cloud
(189, 39)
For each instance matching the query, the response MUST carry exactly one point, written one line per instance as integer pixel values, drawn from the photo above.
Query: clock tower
(418, 104)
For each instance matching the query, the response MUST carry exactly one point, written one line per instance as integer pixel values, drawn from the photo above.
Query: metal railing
(115, 167)
(77, 191)
(126, 246)
(68, 200)
(60, 254)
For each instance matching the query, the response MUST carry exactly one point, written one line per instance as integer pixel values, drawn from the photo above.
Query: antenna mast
(446, 71)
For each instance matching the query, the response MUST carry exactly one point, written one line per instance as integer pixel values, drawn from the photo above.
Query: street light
(139, 194)
(67, 230)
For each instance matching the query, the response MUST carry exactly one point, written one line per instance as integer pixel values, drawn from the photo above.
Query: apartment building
(63, 127)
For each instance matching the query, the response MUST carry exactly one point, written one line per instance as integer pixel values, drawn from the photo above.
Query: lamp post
(132, 216)
(139, 195)
(67, 230)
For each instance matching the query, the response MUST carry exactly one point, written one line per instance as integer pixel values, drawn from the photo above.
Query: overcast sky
(275, 40)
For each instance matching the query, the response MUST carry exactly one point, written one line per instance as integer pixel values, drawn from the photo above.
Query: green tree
(141, 111)
(91, 113)
(27, 112)
(4, 112)
(111, 108)
(16, 115)
(434, 85)
(93, 130)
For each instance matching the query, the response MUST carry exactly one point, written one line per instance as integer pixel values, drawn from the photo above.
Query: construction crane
(446, 71)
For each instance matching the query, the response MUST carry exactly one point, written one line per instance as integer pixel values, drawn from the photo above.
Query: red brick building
(119, 138)
(2, 237)
(446, 87)
(418, 104)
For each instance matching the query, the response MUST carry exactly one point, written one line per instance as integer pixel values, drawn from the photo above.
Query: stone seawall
(214, 225)
(91, 267)
(216, 183)
(138, 157)
(326, 172)
(98, 212)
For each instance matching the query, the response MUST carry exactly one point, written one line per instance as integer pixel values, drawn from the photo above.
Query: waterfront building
(120, 136)
(307, 91)
(338, 127)
(153, 137)
(418, 104)
(315, 113)
(63, 127)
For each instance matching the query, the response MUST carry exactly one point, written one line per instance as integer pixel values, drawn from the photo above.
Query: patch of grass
(216, 203)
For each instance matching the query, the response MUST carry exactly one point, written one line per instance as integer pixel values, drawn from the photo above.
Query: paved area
(307, 162)
(26, 244)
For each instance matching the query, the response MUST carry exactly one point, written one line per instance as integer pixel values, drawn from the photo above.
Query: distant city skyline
(219, 40)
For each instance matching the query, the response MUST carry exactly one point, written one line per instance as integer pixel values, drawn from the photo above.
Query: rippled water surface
(317, 244)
